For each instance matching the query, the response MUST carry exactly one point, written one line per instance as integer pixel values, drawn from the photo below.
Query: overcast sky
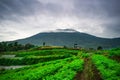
(23, 18)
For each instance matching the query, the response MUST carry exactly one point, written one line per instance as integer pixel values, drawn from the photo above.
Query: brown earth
(117, 58)
(89, 72)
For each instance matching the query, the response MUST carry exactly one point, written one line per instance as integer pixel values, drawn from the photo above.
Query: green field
(61, 64)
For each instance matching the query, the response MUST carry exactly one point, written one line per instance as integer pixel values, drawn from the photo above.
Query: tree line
(15, 46)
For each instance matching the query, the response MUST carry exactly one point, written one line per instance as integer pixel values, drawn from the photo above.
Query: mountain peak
(69, 37)
(64, 30)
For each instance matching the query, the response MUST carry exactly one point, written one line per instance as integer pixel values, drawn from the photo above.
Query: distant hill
(69, 37)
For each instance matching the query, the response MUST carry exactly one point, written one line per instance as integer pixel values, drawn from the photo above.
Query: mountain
(69, 37)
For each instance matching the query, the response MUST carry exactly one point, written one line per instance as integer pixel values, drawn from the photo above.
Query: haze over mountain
(23, 18)
(69, 37)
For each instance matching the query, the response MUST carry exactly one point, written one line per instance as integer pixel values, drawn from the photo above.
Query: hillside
(60, 64)
(69, 37)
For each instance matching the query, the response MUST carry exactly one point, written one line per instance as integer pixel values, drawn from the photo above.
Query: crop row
(68, 71)
(109, 69)
(35, 72)
(28, 60)
(44, 52)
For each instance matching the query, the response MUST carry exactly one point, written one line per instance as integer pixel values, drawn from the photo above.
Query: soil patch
(89, 72)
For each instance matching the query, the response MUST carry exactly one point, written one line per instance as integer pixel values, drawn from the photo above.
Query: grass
(62, 64)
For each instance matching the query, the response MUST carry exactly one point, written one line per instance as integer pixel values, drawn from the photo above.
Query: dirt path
(89, 72)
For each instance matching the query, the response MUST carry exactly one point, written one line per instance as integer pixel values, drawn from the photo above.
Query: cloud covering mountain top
(23, 18)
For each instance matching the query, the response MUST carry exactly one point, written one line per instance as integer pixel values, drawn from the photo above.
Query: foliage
(83, 55)
(33, 57)
(108, 68)
(35, 72)
(114, 52)
(99, 48)
(59, 64)
(68, 71)
(28, 60)
(46, 52)
(4, 46)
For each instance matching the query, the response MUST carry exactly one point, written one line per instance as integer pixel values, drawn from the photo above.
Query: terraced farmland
(60, 64)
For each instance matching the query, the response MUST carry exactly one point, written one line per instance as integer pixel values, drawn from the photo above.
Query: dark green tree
(75, 45)
(15, 46)
(28, 46)
(10, 47)
(99, 48)
(1, 47)
(43, 43)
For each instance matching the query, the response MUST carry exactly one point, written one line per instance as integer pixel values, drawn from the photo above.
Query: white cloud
(85, 17)
(31, 25)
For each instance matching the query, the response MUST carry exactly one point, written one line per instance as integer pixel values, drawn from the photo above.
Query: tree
(4, 46)
(28, 46)
(64, 46)
(43, 43)
(20, 46)
(99, 48)
(75, 45)
(15, 46)
(10, 47)
(1, 47)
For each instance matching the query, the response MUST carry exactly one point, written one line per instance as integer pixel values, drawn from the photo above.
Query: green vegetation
(114, 52)
(47, 52)
(39, 71)
(69, 39)
(68, 71)
(33, 57)
(48, 63)
(4, 46)
(28, 60)
(109, 69)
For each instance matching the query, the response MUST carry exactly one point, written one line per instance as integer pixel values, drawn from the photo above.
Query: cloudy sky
(23, 18)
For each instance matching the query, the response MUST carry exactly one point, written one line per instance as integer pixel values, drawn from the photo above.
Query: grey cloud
(16, 9)
(97, 8)
(88, 8)
(19, 6)
(112, 28)
(32, 14)
(108, 11)
(6, 32)
(9, 8)
(111, 7)
(53, 8)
